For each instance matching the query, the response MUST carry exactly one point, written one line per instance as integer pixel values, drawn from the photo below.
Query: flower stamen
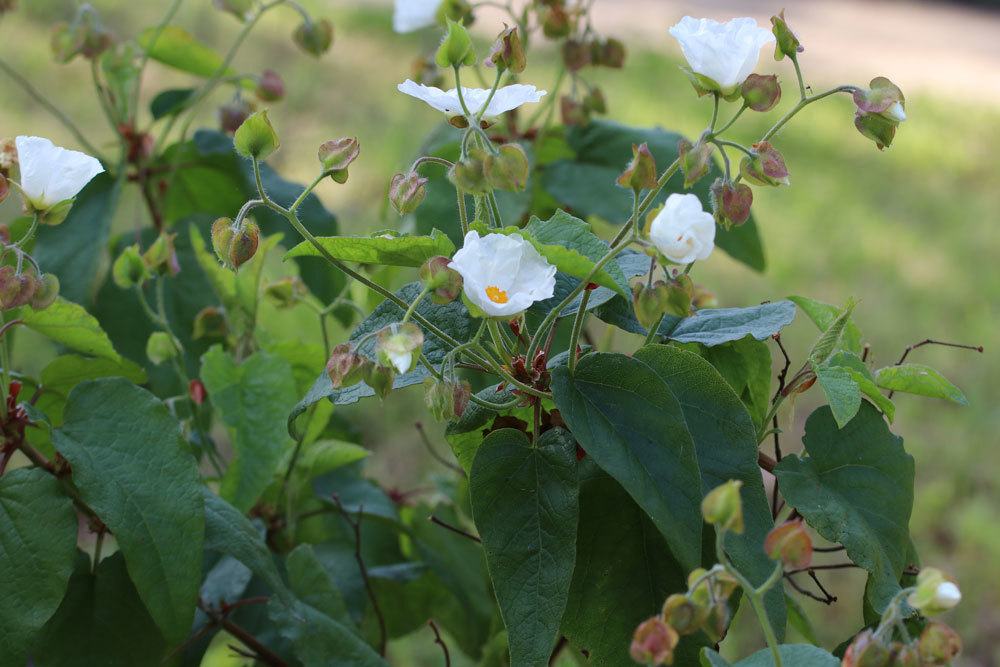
(496, 295)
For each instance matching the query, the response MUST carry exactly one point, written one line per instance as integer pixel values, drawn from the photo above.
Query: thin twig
(809, 594)
(433, 452)
(440, 642)
(458, 531)
(356, 526)
(260, 652)
(815, 578)
(828, 550)
(931, 341)
(835, 566)
(774, 420)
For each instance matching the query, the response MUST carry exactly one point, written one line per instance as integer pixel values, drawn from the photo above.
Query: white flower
(726, 53)
(683, 231)
(411, 15)
(50, 174)
(503, 275)
(895, 112)
(505, 99)
(947, 595)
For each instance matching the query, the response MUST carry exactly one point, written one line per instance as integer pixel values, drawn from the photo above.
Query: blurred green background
(911, 231)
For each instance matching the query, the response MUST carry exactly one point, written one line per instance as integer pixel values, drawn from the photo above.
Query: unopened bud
(128, 269)
(238, 8)
(609, 53)
(210, 322)
(876, 127)
(256, 138)
(939, 644)
(286, 292)
(649, 302)
(398, 345)
(407, 191)
(507, 53)
(866, 650)
(576, 55)
(314, 37)
(222, 238)
(456, 47)
(934, 593)
(767, 167)
(16, 289)
(572, 112)
(337, 155)
(786, 43)
(468, 175)
(641, 171)
(555, 21)
(683, 614)
(904, 655)
(680, 292)
(731, 202)
(56, 214)
(594, 102)
(723, 508)
(234, 113)
(345, 366)
(884, 98)
(508, 169)
(444, 283)
(761, 92)
(160, 347)
(161, 257)
(717, 622)
(704, 298)
(46, 292)
(695, 159)
(789, 543)
(380, 378)
(197, 391)
(244, 244)
(446, 400)
(654, 642)
(270, 86)
(85, 36)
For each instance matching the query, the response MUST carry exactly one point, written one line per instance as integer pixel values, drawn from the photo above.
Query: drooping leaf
(37, 553)
(726, 443)
(253, 398)
(524, 501)
(71, 325)
(626, 418)
(823, 315)
(921, 380)
(854, 485)
(800, 655)
(383, 250)
(114, 436)
(176, 47)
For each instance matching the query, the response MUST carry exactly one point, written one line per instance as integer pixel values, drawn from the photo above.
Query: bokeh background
(911, 231)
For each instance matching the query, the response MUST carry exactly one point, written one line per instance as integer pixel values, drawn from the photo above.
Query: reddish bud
(407, 191)
(767, 167)
(446, 400)
(197, 392)
(445, 283)
(790, 543)
(555, 22)
(866, 651)
(244, 244)
(337, 155)
(345, 366)
(609, 53)
(939, 644)
(761, 92)
(641, 171)
(233, 114)
(508, 52)
(270, 86)
(575, 54)
(572, 112)
(731, 202)
(654, 642)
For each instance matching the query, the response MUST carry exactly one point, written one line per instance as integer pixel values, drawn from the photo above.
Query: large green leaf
(130, 467)
(524, 500)
(797, 655)
(313, 585)
(254, 398)
(855, 487)
(624, 572)
(726, 442)
(746, 366)
(101, 621)
(319, 640)
(919, 379)
(586, 184)
(383, 250)
(176, 47)
(37, 552)
(71, 325)
(626, 418)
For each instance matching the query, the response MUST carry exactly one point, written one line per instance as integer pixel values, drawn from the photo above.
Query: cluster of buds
(336, 155)
(482, 171)
(446, 399)
(286, 292)
(652, 301)
(133, 267)
(396, 349)
(85, 36)
(26, 288)
(881, 108)
(235, 245)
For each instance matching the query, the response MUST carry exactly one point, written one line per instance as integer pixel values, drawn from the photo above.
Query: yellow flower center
(496, 294)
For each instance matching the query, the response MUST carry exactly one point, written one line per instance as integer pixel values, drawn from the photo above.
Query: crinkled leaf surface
(71, 325)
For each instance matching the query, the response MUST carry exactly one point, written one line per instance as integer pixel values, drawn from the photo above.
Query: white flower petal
(411, 15)
(725, 52)
(506, 268)
(50, 174)
(683, 231)
(896, 112)
(505, 99)
(511, 97)
(947, 595)
(400, 359)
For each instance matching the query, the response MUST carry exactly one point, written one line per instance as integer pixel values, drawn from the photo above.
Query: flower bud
(507, 53)
(876, 127)
(508, 169)
(934, 594)
(695, 160)
(717, 622)
(469, 175)
(197, 392)
(85, 36)
(397, 345)
(731, 202)
(446, 400)
(380, 378)
(270, 86)
(256, 138)
(456, 47)
(683, 615)
(555, 21)
(789, 543)
(286, 292)
(222, 238)
(456, 10)
(210, 322)
(575, 54)
(160, 347)
(337, 155)
(346, 367)
(314, 37)
(786, 43)
(609, 53)
(654, 642)
(883, 97)
(16, 289)
(572, 112)
(680, 292)
(129, 269)
(866, 651)
(238, 8)
(407, 191)
(649, 302)
(594, 102)
(233, 114)
(46, 292)
(244, 244)
(766, 168)
(161, 257)
(723, 508)
(4, 188)
(938, 644)
(444, 282)
(761, 92)
(904, 655)
(641, 171)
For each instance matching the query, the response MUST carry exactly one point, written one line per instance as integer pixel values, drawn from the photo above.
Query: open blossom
(505, 99)
(503, 275)
(50, 174)
(725, 53)
(683, 231)
(411, 15)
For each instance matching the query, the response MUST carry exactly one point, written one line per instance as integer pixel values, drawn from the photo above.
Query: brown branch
(433, 452)
(774, 420)
(458, 531)
(440, 642)
(260, 652)
(827, 550)
(766, 462)
(356, 526)
(815, 578)
(809, 594)
(835, 566)
(931, 341)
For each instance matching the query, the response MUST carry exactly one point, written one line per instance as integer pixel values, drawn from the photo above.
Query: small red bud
(197, 392)
(641, 171)
(791, 544)
(270, 86)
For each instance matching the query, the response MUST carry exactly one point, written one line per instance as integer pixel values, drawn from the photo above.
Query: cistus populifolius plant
(178, 477)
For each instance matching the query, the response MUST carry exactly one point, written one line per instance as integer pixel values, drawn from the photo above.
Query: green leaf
(178, 48)
(624, 572)
(253, 398)
(629, 421)
(865, 380)
(799, 620)
(115, 434)
(855, 487)
(842, 392)
(37, 552)
(383, 250)
(829, 340)
(919, 379)
(312, 584)
(524, 501)
(823, 315)
(725, 439)
(71, 325)
(746, 366)
(101, 621)
(571, 245)
(799, 655)
(319, 640)
(586, 183)
(170, 102)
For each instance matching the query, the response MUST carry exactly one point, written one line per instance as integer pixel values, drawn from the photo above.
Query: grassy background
(912, 231)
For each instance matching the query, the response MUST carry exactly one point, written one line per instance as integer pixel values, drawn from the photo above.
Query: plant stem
(581, 315)
(803, 103)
